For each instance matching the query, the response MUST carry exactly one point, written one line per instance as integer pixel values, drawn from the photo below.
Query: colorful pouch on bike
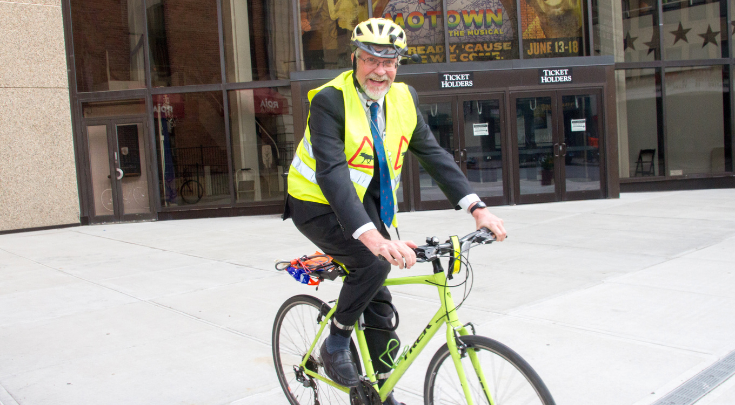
(311, 270)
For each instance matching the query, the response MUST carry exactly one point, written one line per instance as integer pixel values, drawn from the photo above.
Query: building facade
(164, 109)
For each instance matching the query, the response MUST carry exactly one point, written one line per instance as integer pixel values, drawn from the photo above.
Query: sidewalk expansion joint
(698, 386)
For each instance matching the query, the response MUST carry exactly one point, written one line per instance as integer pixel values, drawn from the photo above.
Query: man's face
(374, 78)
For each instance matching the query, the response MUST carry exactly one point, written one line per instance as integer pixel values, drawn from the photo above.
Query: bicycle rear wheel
(294, 330)
(510, 379)
(191, 191)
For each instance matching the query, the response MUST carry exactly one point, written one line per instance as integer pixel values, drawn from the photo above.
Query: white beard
(372, 94)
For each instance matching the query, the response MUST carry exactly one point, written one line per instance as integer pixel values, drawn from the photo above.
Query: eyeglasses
(373, 63)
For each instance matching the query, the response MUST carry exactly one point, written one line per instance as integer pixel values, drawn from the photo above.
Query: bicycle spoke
(510, 380)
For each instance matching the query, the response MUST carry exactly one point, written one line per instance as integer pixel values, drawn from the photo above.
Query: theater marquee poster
(552, 28)
(478, 29)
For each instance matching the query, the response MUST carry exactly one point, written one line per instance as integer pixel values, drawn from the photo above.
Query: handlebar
(433, 249)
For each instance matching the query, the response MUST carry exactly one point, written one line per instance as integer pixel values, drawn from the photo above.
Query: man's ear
(352, 57)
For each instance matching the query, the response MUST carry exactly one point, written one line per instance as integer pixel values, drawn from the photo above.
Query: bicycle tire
(297, 318)
(191, 191)
(510, 379)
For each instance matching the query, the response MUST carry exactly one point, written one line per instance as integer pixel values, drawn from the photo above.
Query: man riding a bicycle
(344, 203)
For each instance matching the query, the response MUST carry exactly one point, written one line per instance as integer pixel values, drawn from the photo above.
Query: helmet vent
(358, 31)
(369, 27)
(380, 27)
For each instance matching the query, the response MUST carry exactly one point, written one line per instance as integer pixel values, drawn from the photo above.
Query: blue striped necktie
(386, 193)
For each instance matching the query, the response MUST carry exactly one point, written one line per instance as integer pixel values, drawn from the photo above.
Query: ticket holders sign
(455, 80)
(555, 76)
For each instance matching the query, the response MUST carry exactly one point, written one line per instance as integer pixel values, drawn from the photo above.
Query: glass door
(580, 148)
(482, 146)
(118, 171)
(535, 142)
(557, 140)
(439, 115)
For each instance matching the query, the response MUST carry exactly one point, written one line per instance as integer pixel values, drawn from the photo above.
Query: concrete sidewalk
(611, 301)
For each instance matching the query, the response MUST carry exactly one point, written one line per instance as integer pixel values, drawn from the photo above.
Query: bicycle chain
(372, 394)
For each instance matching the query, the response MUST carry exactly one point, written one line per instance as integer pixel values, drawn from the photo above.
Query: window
(639, 100)
(552, 29)
(640, 32)
(108, 44)
(693, 30)
(695, 120)
(258, 40)
(482, 30)
(261, 123)
(326, 28)
(191, 149)
(183, 36)
(422, 23)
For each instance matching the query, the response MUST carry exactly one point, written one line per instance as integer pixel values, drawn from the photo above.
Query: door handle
(120, 173)
(457, 156)
(563, 149)
(463, 154)
(557, 149)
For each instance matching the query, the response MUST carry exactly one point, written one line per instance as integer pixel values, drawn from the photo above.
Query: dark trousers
(363, 284)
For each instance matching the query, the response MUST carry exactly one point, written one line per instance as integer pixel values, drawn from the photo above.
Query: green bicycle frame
(445, 315)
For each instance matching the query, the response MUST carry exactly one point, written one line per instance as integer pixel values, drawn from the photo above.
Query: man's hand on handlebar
(483, 218)
(396, 252)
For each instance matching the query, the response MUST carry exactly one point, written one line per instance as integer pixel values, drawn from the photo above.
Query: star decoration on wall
(709, 36)
(680, 34)
(653, 43)
(628, 41)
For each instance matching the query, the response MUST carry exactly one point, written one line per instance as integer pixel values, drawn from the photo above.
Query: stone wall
(38, 182)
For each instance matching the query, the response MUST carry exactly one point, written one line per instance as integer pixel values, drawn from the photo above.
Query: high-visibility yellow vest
(400, 123)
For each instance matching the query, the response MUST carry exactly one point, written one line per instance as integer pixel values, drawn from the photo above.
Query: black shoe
(339, 366)
(392, 401)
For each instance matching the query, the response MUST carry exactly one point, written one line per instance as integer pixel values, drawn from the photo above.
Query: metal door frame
(541, 197)
(587, 194)
(415, 192)
(110, 124)
(504, 147)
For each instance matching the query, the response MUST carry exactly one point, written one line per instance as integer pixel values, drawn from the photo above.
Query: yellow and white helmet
(381, 32)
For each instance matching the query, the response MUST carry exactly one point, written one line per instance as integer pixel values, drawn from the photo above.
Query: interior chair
(644, 165)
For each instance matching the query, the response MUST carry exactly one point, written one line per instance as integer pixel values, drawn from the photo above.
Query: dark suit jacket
(326, 125)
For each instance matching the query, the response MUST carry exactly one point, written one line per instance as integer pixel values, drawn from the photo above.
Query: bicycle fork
(458, 350)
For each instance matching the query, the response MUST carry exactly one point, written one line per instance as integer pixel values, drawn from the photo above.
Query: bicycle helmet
(381, 32)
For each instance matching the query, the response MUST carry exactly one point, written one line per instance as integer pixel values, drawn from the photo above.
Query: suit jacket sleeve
(436, 161)
(326, 125)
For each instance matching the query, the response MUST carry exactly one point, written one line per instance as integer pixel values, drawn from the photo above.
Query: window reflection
(438, 117)
(692, 29)
(552, 29)
(640, 31)
(695, 120)
(326, 28)
(108, 44)
(482, 30)
(606, 28)
(534, 131)
(638, 129)
(422, 22)
(483, 139)
(261, 122)
(191, 149)
(258, 40)
(184, 42)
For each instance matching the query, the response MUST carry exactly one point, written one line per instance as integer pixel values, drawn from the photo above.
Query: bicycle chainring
(370, 391)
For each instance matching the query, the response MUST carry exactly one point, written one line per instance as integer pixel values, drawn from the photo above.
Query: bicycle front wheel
(294, 330)
(497, 375)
